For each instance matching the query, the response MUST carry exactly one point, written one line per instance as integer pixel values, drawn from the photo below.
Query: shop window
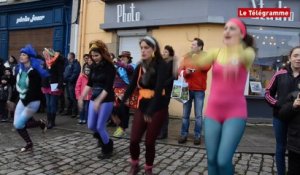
(272, 48)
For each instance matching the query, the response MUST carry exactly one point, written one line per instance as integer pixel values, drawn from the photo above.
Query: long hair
(152, 42)
(101, 48)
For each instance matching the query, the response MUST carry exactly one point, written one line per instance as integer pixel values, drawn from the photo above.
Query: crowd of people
(107, 88)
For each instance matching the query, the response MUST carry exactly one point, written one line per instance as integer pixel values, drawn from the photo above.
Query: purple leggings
(97, 120)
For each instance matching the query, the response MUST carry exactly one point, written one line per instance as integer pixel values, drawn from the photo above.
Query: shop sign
(26, 19)
(126, 15)
(31, 19)
(261, 5)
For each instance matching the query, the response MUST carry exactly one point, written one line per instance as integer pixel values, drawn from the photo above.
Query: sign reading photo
(129, 15)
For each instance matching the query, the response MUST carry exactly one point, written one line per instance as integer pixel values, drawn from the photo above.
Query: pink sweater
(80, 84)
(226, 99)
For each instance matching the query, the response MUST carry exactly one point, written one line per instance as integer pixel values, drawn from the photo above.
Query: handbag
(180, 89)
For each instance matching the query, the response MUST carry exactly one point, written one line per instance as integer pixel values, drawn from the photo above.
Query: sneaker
(119, 132)
(80, 122)
(182, 139)
(197, 141)
(28, 147)
(83, 121)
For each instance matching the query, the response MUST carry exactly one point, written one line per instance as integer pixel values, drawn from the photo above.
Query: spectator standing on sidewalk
(282, 83)
(11, 63)
(80, 84)
(149, 77)
(123, 77)
(11, 104)
(28, 85)
(226, 112)
(196, 77)
(169, 56)
(53, 85)
(71, 74)
(101, 81)
(290, 113)
(5, 97)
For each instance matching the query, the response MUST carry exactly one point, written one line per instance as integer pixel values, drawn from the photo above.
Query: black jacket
(154, 81)
(101, 77)
(170, 78)
(72, 72)
(56, 73)
(33, 92)
(292, 116)
(281, 84)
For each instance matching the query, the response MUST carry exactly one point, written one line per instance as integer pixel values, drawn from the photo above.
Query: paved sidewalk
(75, 154)
(70, 149)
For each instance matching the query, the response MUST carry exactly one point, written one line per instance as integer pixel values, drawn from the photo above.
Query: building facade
(121, 24)
(40, 23)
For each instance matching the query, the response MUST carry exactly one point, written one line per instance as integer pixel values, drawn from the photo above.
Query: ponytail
(248, 41)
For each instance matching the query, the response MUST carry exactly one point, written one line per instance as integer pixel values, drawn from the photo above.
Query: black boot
(50, 121)
(24, 134)
(107, 150)
(98, 137)
(53, 118)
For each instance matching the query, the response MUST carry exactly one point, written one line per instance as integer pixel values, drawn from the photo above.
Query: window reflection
(272, 46)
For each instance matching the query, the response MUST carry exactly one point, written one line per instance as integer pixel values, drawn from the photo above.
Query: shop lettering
(261, 5)
(29, 19)
(127, 16)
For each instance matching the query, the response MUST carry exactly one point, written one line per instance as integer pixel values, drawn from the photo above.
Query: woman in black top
(52, 86)
(29, 73)
(149, 77)
(101, 81)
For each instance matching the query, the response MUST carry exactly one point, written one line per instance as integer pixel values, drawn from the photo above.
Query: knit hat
(29, 50)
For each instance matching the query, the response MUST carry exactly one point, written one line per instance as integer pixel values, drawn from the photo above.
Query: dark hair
(157, 53)
(248, 39)
(15, 60)
(86, 55)
(292, 50)
(170, 50)
(199, 42)
(72, 54)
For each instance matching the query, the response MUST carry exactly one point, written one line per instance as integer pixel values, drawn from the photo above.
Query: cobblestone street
(76, 153)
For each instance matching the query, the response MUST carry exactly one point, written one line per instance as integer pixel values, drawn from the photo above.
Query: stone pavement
(76, 154)
(70, 149)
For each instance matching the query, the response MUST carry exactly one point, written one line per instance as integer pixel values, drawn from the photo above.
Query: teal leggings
(221, 141)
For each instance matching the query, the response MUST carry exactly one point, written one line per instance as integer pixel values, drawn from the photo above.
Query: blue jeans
(198, 97)
(51, 103)
(84, 111)
(280, 130)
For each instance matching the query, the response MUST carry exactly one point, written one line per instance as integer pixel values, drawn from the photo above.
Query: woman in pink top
(80, 84)
(226, 111)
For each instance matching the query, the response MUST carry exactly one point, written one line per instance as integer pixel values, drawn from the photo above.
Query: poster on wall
(255, 87)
